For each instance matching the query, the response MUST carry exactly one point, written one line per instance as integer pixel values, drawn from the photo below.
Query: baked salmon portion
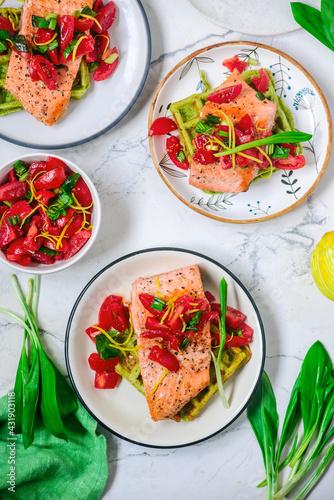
(233, 180)
(167, 397)
(45, 105)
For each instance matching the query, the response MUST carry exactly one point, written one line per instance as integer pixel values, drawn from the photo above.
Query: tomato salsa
(45, 212)
(170, 327)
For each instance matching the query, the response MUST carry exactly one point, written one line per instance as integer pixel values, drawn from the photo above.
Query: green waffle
(232, 359)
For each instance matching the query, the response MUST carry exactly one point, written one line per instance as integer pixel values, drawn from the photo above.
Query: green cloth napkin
(53, 468)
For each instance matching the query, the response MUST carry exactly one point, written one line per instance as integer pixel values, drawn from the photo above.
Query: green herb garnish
(105, 349)
(184, 344)
(88, 12)
(70, 182)
(181, 156)
(158, 304)
(39, 22)
(281, 152)
(21, 170)
(191, 325)
(260, 96)
(282, 137)
(48, 251)
(62, 202)
(14, 220)
(212, 119)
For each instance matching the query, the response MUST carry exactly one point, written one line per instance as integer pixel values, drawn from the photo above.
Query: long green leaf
(288, 137)
(49, 402)
(30, 398)
(263, 417)
(21, 375)
(309, 18)
(67, 400)
(317, 380)
(223, 306)
(327, 17)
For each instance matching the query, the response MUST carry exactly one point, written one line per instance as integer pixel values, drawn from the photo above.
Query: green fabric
(52, 468)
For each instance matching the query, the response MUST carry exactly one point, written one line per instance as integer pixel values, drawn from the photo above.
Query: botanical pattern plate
(285, 189)
(258, 17)
(124, 410)
(106, 102)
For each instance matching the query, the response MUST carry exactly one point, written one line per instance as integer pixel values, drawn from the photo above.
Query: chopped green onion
(53, 45)
(69, 48)
(93, 66)
(88, 12)
(158, 304)
(50, 15)
(48, 251)
(184, 344)
(221, 133)
(181, 156)
(70, 182)
(281, 152)
(76, 13)
(8, 203)
(41, 49)
(202, 126)
(28, 195)
(19, 43)
(260, 96)
(112, 58)
(194, 320)
(62, 201)
(53, 24)
(39, 22)
(14, 220)
(212, 119)
(252, 61)
(21, 170)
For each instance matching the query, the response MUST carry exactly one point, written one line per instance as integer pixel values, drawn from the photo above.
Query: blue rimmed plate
(123, 410)
(106, 102)
(285, 189)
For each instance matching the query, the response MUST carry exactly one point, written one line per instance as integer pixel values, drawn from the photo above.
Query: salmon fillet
(176, 389)
(234, 180)
(45, 105)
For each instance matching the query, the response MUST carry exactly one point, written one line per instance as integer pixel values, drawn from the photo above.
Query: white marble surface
(271, 259)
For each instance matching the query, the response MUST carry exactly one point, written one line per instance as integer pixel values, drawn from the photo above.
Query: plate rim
(252, 33)
(118, 119)
(163, 249)
(323, 101)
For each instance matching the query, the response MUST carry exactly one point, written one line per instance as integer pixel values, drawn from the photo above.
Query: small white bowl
(36, 268)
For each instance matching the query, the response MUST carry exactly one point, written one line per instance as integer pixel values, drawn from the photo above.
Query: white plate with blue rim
(105, 103)
(258, 17)
(123, 410)
(285, 189)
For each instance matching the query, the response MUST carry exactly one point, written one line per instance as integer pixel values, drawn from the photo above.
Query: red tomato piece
(86, 45)
(105, 70)
(234, 318)
(247, 331)
(48, 225)
(235, 63)
(42, 258)
(243, 162)
(290, 163)
(162, 126)
(13, 191)
(106, 380)
(113, 315)
(102, 42)
(165, 358)
(168, 339)
(100, 365)
(63, 219)
(204, 157)
(82, 193)
(50, 180)
(35, 168)
(43, 36)
(11, 176)
(261, 82)
(105, 16)
(67, 24)
(174, 148)
(77, 241)
(52, 163)
(53, 56)
(39, 65)
(236, 341)
(154, 324)
(75, 226)
(225, 95)
(291, 147)
(226, 162)
(83, 24)
(146, 299)
(25, 260)
(20, 208)
(45, 196)
(6, 25)
(209, 296)
(92, 332)
(32, 243)
(16, 250)
(91, 56)
(97, 5)
(8, 233)
(64, 245)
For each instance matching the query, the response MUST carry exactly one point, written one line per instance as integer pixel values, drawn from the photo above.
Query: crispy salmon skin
(47, 106)
(233, 180)
(177, 388)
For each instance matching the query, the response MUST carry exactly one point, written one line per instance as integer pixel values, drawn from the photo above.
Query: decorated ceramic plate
(105, 103)
(124, 410)
(285, 189)
(258, 17)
